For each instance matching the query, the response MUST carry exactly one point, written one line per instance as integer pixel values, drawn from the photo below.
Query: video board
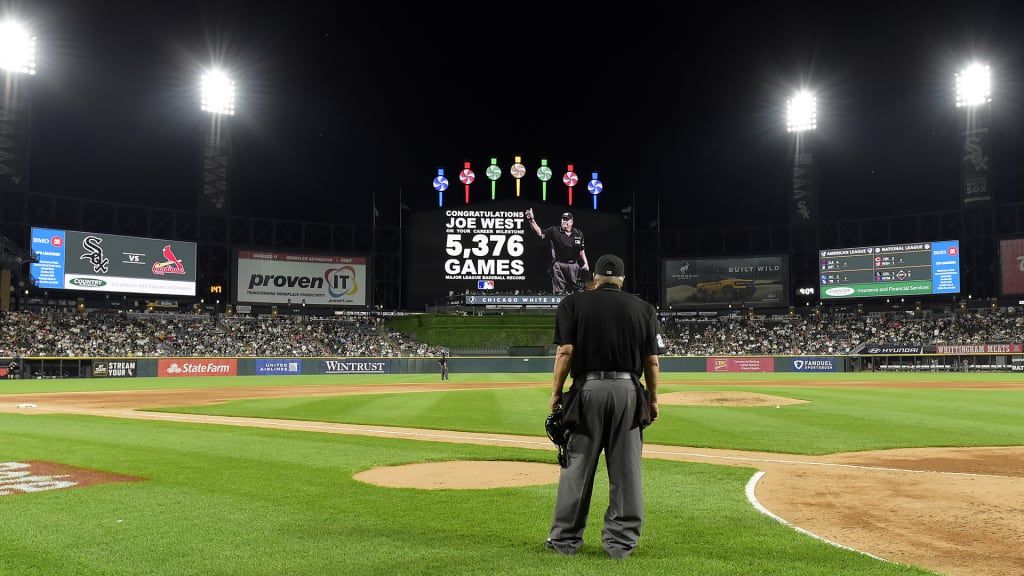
(87, 261)
(491, 248)
(1011, 267)
(915, 269)
(750, 282)
(268, 277)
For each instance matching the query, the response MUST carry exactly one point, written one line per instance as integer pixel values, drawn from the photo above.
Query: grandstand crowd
(60, 333)
(838, 334)
(67, 333)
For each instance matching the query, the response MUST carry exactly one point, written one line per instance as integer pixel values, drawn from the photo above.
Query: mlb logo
(485, 284)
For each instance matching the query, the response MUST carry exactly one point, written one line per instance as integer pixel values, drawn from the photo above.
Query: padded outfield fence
(71, 367)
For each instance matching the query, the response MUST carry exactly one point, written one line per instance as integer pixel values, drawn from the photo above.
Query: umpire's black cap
(610, 265)
(566, 215)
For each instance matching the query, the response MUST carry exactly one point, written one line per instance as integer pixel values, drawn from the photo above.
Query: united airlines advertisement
(265, 277)
(88, 261)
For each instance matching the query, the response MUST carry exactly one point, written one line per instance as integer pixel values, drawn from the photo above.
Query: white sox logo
(802, 210)
(975, 154)
(94, 254)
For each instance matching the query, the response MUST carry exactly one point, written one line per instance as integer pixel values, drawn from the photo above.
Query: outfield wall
(63, 367)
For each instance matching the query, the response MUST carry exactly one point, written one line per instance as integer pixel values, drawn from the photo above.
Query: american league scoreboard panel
(913, 269)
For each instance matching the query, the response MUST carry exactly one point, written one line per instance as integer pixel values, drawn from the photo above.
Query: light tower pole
(17, 60)
(218, 99)
(801, 120)
(974, 104)
(974, 98)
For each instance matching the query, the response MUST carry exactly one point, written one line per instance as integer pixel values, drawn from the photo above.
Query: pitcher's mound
(461, 475)
(725, 399)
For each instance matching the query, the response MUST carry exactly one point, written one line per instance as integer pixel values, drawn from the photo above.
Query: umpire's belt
(605, 375)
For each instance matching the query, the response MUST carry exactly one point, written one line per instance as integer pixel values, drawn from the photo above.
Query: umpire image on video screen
(568, 254)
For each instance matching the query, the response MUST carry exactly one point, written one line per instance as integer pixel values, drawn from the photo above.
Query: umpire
(568, 253)
(606, 338)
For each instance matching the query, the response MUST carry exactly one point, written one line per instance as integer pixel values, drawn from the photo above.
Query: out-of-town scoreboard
(913, 269)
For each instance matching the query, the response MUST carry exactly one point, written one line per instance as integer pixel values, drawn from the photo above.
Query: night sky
(677, 109)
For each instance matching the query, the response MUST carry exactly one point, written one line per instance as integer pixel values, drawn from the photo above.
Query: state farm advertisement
(263, 277)
(182, 367)
(740, 365)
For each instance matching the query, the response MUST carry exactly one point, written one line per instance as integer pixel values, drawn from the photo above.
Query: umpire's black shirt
(609, 330)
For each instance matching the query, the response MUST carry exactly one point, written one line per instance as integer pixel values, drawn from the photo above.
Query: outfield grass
(228, 500)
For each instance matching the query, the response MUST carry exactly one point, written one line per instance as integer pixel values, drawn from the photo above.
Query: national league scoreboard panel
(914, 269)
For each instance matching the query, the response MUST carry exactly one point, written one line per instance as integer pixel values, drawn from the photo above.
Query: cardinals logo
(170, 265)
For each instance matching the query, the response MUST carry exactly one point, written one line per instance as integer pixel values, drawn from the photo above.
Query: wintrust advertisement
(185, 367)
(355, 367)
(263, 277)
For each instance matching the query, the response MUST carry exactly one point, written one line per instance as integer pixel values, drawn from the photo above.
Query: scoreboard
(489, 247)
(915, 269)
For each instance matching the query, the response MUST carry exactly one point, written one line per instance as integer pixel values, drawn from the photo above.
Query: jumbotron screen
(1011, 266)
(93, 262)
(491, 248)
(754, 281)
(915, 269)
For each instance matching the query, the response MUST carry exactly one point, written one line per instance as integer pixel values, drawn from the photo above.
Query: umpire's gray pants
(609, 407)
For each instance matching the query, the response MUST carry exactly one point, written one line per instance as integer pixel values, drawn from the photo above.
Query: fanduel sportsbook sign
(814, 364)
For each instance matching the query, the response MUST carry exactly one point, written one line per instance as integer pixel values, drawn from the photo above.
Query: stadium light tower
(17, 60)
(801, 120)
(974, 98)
(217, 99)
